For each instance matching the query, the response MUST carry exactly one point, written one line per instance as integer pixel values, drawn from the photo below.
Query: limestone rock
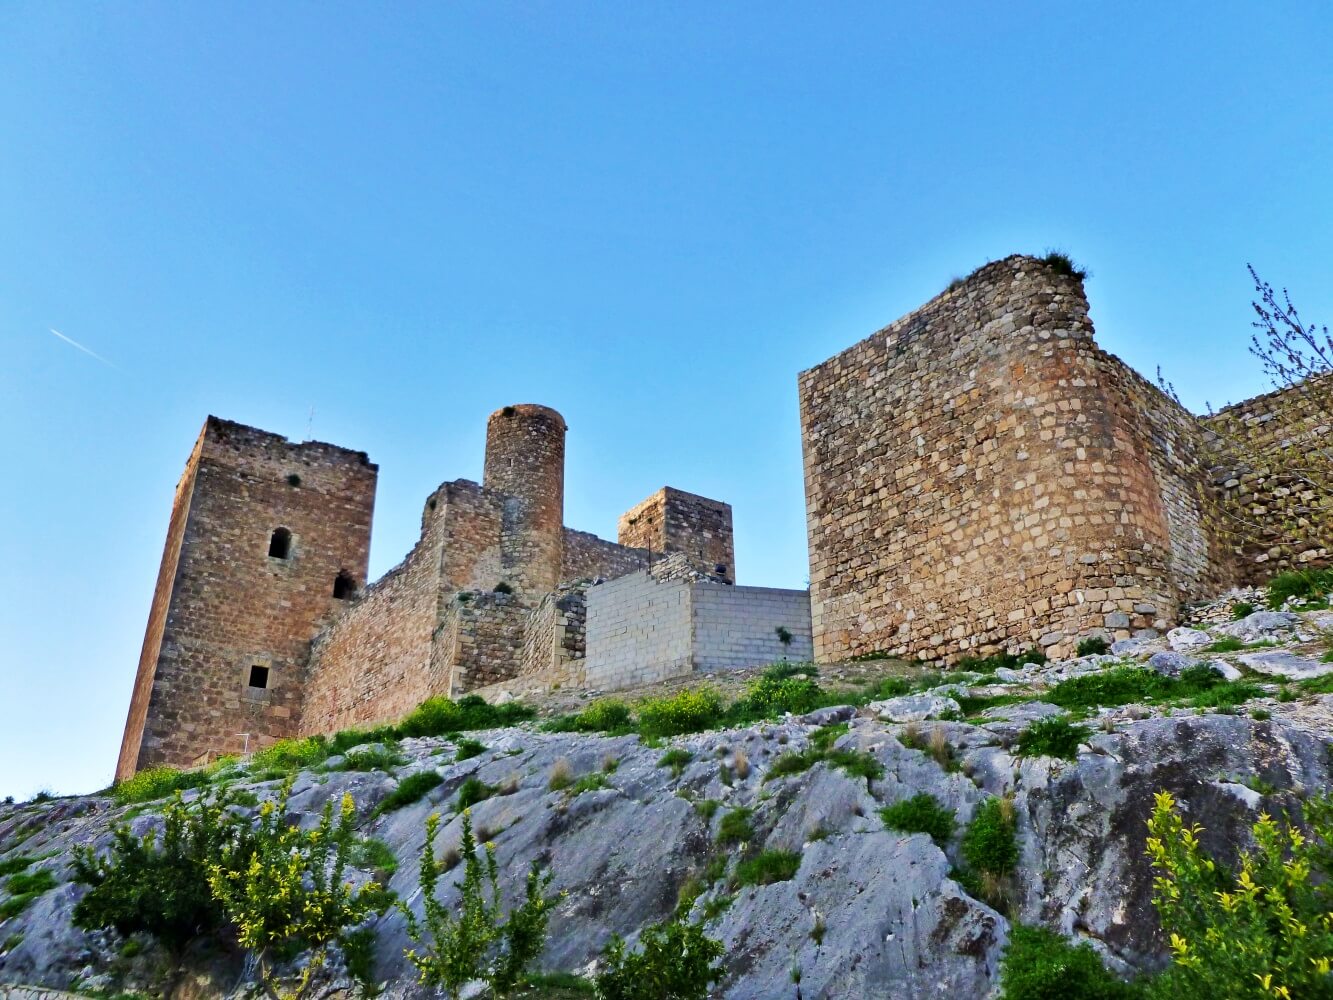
(914, 707)
(1283, 663)
(1183, 640)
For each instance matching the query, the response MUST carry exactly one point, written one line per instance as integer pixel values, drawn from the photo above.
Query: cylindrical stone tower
(525, 460)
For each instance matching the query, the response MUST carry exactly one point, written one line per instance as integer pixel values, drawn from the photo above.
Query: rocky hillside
(780, 835)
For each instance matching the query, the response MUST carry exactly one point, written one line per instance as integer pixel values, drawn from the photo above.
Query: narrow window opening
(280, 545)
(344, 587)
(259, 677)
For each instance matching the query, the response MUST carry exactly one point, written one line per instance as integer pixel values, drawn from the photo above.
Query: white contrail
(75, 343)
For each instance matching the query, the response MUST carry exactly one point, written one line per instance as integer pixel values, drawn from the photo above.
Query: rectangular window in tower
(259, 677)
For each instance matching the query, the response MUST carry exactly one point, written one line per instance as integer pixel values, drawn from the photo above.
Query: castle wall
(969, 485)
(673, 521)
(482, 640)
(1273, 520)
(588, 557)
(376, 662)
(638, 632)
(232, 606)
(737, 626)
(555, 640)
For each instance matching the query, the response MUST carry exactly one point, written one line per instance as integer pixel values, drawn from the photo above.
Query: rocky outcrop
(869, 912)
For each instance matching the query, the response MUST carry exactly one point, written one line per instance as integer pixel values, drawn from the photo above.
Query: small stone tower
(525, 460)
(672, 521)
(267, 540)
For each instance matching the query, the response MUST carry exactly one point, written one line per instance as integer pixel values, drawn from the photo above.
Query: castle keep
(262, 625)
(981, 475)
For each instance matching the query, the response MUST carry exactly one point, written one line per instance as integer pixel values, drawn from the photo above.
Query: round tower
(525, 461)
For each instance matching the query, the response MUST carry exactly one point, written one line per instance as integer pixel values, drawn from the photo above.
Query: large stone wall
(230, 606)
(1273, 520)
(588, 557)
(482, 640)
(555, 639)
(672, 521)
(969, 487)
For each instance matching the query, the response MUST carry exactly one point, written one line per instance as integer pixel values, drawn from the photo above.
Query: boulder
(914, 707)
(1283, 663)
(1183, 640)
(1262, 625)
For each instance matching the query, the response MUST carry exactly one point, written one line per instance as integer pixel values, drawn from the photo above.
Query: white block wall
(737, 626)
(640, 631)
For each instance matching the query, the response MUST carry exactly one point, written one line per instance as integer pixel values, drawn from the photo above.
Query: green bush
(371, 759)
(735, 827)
(345, 739)
(16, 864)
(793, 762)
(856, 764)
(1093, 645)
(1200, 686)
(688, 711)
(441, 716)
(466, 749)
(472, 791)
(373, 854)
(922, 813)
(781, 671)
(766, 868)
(410, 789)
(1227, 644)
(992, 663)
(605, 715)
(675, 961)
(23, 888)
(989, 845)
(1041, 965)
(590, 782)
(1265, 923)
(772, 696)
(1053, 736)
(291, 755)
(1241, 609)
(1305, 584)
(156, 783)
(1062, 263)
(157, 884)
(474, 940)
(676, 758)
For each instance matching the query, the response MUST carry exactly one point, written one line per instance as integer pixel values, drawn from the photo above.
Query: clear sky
(648, 216)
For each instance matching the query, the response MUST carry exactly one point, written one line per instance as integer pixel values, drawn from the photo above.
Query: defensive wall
(981, 475)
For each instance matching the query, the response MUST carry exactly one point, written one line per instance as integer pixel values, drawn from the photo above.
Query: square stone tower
(267, 540)
(672, 520)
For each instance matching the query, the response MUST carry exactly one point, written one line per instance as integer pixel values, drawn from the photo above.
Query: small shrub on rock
(441, 716)
(989, 844)
(1093, 645)
(676, 758)
(767, 867)
(996, 661)
(290, 755)
(735, 827)
(1039, 964)
(1303, 584)
(156, 783)
(472, 791)
(674, 961)
(922, 813)
(688, 711)
(1241, 609)
(1053, 736)
(466, 749)
(411, 789)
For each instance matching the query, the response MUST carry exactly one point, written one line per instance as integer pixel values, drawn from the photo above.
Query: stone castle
(978, 475)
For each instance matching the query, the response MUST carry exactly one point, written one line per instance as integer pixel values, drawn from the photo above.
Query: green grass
(472, 791)
(922, 813)
(23, 888)
(1039, 964)
(467, 749)
(1227, 644)
(856, 764)
(606, 715)
(1197, 687)
(371, 759)
(1062, 263)
(554, 986)
(1094, 645)
(676, 759)
(1054, 736)
(16, 864)
(589, 783)
(441, 716)
(793, 762)
(767, 867)
(1327, 657)
(735, 827)
(973, 706)
(374, 854)
(992, 663)
(411, 789)
(1317, 685)
(156, 783)
(706, 808)
(291, 755)
(1306, 584)
(1241, 609)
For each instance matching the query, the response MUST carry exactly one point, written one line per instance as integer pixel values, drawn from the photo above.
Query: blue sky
(648, 216)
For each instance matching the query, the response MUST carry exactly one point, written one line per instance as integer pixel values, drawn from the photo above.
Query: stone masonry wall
(554, 640)
(485, 631)
(969, 487)
(737, 626)
(673, 521)
(232, 606)
(588, 557)
(1274, 520)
